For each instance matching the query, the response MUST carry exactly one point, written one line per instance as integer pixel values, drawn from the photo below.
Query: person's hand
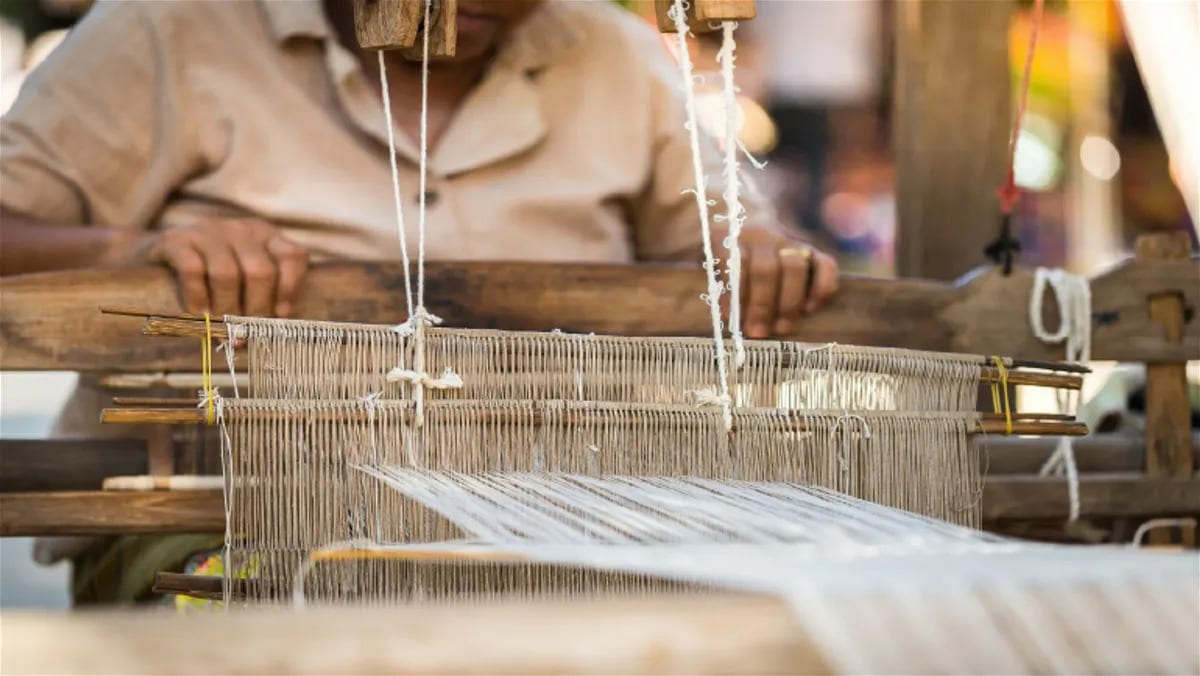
(782, 280)
(231, 266)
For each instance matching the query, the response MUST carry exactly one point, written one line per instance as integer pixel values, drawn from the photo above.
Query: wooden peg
(397, 24)
(704, 15)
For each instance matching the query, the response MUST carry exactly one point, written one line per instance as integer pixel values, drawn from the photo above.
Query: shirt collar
(289, 19)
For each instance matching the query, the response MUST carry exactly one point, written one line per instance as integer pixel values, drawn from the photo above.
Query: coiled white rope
(1073, 294)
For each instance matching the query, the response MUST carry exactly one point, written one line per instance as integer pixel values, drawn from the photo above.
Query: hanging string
(734, 213)
(397, 203)
(207, 391)
(424, 159)
(1073, 293)
(1003, 250)
(678, 13)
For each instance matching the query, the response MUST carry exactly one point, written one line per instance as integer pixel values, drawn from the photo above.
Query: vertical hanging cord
(734, 214)
(1005, 247)
(422, 316)
(713, 297)
(398, 204)
(424, 158)
(208, 394)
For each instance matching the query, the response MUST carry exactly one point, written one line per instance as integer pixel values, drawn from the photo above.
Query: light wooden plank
(714, 634)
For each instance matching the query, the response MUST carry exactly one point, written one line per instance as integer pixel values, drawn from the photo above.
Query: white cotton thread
(397, 202)
(1073, 294)
(678, 13)
(735, 215)
(424, 158)
(1143, 530)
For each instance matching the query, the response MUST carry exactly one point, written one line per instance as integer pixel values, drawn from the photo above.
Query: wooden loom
(940, 318)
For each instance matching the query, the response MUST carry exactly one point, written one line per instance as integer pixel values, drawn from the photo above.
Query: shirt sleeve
(94, 135)
(666, 218)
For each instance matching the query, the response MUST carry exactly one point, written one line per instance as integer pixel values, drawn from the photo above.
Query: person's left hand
(782, 280)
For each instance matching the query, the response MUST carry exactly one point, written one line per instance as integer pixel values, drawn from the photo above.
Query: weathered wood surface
(386, 24)
(100, 513)
(951, 121)
(714, 634)
(67, 464)
(52, 320)
(1005, 498)
(30, 465)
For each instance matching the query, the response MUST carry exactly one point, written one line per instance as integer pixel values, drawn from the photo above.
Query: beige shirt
(154, 114)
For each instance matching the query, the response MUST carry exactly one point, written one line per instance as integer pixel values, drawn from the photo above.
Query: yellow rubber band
(210, 409)
(996, 389)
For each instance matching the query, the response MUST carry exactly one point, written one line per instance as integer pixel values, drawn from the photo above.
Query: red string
(1008, 192)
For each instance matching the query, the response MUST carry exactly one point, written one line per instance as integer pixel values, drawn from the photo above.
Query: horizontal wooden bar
(111, 513)
(50, 321)
(709, 634)
(83, 464)
(1005, 499)
(1050, 424)
(67, 464)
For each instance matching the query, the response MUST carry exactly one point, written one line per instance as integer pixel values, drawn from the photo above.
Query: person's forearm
(29, 245)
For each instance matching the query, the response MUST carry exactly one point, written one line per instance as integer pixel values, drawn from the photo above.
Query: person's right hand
(231, 266)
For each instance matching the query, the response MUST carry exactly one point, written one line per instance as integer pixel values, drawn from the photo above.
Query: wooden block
(1168, 411)
(704, 15)
(386, 24)
(443, 36)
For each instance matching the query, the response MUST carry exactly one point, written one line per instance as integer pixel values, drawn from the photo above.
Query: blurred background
(817, 79)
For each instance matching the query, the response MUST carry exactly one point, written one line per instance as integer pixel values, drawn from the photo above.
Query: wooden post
(951, 107)
(1168, 411)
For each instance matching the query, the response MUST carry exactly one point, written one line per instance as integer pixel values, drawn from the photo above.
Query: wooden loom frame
(1141, 312)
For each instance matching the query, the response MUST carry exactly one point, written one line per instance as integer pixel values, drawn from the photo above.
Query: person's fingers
(224, 276)
(762, 264)
(188, 265)
(825, 281)
(292, 262)
(258, 275)
(795, 266)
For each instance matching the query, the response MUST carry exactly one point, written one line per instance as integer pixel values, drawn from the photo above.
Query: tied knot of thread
(841, 424)
(419, 316)
(709, 397)
(210, 399)
(449, 380)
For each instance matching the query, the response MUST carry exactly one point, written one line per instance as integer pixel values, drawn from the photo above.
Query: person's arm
(102, 133)
(30, 245)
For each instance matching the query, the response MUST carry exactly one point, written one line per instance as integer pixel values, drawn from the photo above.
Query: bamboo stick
(1022, 424)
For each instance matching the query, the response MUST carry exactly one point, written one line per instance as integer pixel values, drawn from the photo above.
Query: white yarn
(1073, 294)
(1144, 529)
(734, 213)
(678, 13)
(398, 204)
(449, 380)
(424, 158)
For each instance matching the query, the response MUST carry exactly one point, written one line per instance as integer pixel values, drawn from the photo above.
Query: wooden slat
(51, 321)
(82, 465)
(67, 464)
(99, 513)
(1006, 498)
(712, 634)
(1130, 495)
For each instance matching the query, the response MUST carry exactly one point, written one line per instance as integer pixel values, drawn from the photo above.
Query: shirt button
(431, 198)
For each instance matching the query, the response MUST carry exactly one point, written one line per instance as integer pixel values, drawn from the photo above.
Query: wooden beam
(44, 317)
(951, 120)
(101, 513)
(67, 464)
(1130, 495)
(1005, 499)
(710, 634)
(1169, 451)
(30, 465)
